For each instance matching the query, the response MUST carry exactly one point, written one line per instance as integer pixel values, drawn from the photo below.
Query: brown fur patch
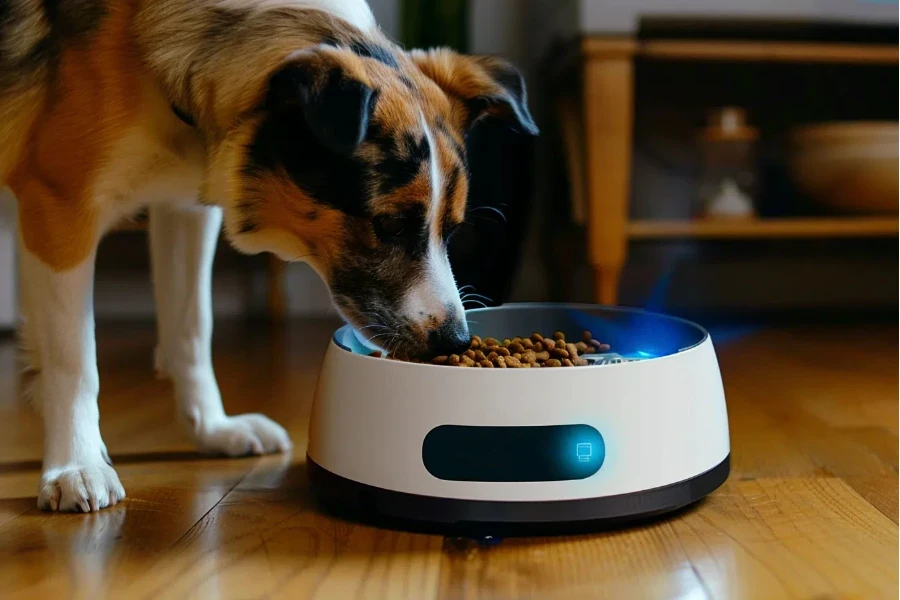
(280, 206)
(93, 98)
(455, 180)
(459, 77)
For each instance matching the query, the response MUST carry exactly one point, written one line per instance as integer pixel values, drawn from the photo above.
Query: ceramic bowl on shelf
(850, 167)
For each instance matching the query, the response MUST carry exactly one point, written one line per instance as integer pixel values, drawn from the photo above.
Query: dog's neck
(213, 57)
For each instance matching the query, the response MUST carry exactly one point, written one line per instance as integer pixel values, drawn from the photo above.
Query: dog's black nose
(449, 338)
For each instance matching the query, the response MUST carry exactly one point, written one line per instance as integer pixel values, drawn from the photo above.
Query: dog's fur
(316, 138)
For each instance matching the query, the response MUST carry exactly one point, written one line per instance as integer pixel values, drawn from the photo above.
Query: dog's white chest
(150, 165)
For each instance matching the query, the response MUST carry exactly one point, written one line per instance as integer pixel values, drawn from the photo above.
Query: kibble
(531, 352)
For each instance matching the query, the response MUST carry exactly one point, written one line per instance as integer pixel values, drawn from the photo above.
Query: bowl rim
(704, 334)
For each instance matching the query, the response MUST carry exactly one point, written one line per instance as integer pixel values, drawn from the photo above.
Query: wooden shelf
(770, 51)
(717, 50)
(824, 227)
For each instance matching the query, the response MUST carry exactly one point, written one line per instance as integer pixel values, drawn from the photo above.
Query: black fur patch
(448, 227)
(7, 22)
(340, 112)
(248, 226)
(183, 116)
(285, 141)
(70, 18)
(515, 98)
(460, 149)
(402, 159)
(249, 222)
(452, 183)
(337, 112)
(6, 18)
(222, 23)
(510, 79)
(363, 48)
(414, 240)
(67, 19)
(374, 51)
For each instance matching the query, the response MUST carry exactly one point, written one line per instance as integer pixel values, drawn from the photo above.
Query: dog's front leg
(183, 244)
(58, 333)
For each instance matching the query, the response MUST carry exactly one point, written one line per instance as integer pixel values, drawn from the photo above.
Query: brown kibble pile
(521, 353)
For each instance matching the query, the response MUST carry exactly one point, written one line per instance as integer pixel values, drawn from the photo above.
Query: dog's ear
(331, 92)
(486, 85)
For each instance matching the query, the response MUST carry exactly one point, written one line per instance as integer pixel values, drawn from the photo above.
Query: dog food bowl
(638, 436)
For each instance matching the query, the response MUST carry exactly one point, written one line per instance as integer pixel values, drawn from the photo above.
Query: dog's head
(356, 163)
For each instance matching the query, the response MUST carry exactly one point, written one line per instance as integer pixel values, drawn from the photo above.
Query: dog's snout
(452, 337)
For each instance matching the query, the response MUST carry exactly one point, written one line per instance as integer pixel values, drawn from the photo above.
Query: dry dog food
(532, 352)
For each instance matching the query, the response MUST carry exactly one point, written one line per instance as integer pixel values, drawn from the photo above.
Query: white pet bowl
(505, 446)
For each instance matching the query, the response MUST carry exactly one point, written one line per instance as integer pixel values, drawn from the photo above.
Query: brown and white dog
(314, 135)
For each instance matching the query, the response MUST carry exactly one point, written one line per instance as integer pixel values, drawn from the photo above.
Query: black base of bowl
(451, 514)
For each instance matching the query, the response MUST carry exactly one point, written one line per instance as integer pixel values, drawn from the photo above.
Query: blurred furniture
(850, 167)
(276, 296)
(596, 123)
(8, 279)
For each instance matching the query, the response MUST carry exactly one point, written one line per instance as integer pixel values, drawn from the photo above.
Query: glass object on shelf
(728, 180)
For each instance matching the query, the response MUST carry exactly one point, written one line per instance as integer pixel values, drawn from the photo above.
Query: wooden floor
(810, 510)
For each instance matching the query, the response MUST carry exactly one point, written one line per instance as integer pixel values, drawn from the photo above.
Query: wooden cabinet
(597, 124)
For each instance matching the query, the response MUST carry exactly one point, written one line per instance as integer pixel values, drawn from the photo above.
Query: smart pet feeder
(641, 432)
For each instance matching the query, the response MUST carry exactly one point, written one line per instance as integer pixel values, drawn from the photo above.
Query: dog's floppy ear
(332, 94)
(487, 85)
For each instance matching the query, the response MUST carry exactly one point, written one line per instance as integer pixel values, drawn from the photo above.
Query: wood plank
(265, 539)
(97, 555)
(609, 47)
(810, 509)
(827, 227)
(790, 538)
(767, 539)
(169, 487)
(774, 51)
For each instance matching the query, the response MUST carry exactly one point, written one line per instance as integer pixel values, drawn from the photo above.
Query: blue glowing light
(583, 451)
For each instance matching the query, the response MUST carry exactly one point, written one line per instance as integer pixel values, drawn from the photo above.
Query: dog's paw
(80, 488)
(245, 434)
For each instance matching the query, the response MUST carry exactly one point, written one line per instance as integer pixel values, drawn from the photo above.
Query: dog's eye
(389, 226)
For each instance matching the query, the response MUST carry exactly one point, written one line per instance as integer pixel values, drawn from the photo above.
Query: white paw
(245, 434)
(80, 488)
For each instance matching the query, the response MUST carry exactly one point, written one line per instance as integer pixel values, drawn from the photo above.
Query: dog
(298, 124)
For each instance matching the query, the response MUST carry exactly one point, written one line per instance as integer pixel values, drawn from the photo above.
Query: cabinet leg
(606, 284)
(608, 106)
(276, 295)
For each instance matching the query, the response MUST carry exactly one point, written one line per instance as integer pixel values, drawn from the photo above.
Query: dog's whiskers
(491, 209)
(483, 305)
(465, 297)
